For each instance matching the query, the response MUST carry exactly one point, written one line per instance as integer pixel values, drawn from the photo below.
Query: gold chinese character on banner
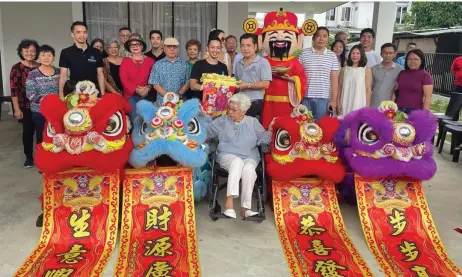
(308, 226)
(409, 249)
(154, 220)
(159, 269)
(79, 223)
(158, 248)
(397, 221)
(63, 272)
(420, 270)
(328, 268)
(73, 255)
(318, 248)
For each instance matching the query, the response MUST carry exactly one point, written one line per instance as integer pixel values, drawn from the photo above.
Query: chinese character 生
(79, 223)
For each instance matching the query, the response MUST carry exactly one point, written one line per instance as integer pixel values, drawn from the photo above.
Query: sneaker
(39, 221)
(28, 163)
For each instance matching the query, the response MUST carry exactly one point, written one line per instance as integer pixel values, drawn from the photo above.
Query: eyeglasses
(413, 60)
(114, 47)
(135, 45)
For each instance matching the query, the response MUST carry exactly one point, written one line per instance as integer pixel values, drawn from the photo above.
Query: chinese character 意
(156, 221)
(159, 269)
(308, 226)
(318, 248)
(409, 249)
(420, 270)
(63, 272)
(80, 224)
(397, 221)
(158, 248)
(73, 256)
(328, 268)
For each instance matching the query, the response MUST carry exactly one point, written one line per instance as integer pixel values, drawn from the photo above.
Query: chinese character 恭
(80, 224)
(420, 270)
(73, 256)
(63, 272)
(158, 247)
(159, 269)
(409, 249)
(397, 221)
(156, 221)
(308, 226)
(318, 248)
(328, 268)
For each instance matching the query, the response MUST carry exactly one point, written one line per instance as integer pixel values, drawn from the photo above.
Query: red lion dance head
(300, 147)
(84, 131)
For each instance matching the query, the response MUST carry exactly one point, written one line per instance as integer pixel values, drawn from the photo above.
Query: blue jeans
(39, 122)
(318, 106)
(407, 110)
(132, 101)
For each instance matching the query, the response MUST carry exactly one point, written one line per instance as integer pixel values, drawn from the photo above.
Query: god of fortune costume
(281, 40)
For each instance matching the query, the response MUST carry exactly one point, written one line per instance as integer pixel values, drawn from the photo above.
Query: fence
(439, 66)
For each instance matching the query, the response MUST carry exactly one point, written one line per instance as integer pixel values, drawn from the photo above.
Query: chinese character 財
(79, 223)
(308, 226)
(73, 256)
(397, 221)
(409, 249)
(318, 248)
(159, 269)
(154, 220)
(328, 268)
(158, 248)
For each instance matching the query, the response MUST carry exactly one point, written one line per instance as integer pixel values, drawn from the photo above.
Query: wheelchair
(259, 190)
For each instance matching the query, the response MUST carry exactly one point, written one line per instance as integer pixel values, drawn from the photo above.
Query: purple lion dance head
(385, 142)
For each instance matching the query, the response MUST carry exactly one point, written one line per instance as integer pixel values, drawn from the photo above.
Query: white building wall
(48, 23)
(365, 15)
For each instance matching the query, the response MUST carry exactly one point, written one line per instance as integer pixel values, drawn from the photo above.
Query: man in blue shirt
(170, 74)
(401, 60)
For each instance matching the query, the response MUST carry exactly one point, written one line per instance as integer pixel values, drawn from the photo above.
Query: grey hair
(109, 42)
(242, 99)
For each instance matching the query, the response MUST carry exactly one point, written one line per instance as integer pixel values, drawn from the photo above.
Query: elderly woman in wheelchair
(237, 152)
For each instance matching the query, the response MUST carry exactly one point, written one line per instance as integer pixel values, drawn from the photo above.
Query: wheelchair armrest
(264, 148)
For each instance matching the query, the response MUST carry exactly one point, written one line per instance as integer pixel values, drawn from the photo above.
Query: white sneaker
(230, 213)
(250, 213)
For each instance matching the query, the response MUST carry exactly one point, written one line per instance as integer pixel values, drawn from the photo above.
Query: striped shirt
(318, 68)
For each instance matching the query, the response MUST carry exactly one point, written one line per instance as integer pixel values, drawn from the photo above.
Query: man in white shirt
(367, 39)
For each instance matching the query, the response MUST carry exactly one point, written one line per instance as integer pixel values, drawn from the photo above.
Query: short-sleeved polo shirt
(384, 80)
(257, 70)
(82, 64)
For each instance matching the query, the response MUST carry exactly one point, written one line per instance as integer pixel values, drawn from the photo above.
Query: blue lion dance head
(175, 129)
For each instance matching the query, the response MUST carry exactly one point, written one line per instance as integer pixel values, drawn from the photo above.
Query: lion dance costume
(281, 39)
(80, 205)
(390, 154)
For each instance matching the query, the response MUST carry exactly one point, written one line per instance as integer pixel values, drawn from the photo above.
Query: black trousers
(255, 109)
(39, 124)
(457, 89)
(28, 129)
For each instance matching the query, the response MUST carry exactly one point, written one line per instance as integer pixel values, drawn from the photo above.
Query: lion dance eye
(144, 127)
(282, 141)
(114, 125)
(193, 126)
(367, 135)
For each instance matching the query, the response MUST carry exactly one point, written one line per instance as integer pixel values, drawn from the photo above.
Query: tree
(436, 14)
